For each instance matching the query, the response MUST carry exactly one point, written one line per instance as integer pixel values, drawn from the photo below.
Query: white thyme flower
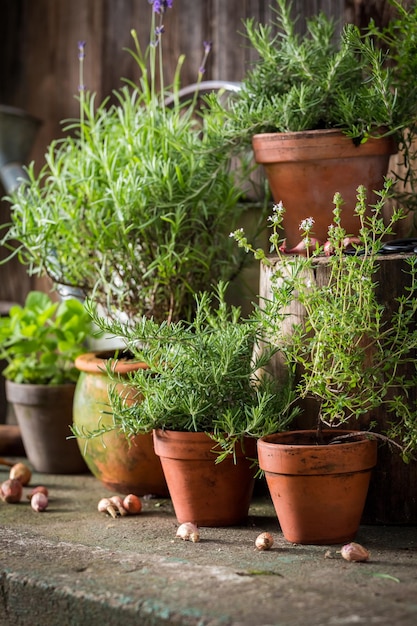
(307, 224)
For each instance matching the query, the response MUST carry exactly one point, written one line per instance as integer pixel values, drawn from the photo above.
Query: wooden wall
(39, 57)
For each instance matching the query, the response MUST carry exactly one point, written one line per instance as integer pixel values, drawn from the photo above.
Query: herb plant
(41, 340)
(351, 350)
(134, 204)
(202, 376)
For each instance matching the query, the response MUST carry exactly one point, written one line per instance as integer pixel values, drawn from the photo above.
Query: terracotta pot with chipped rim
(318, 491)
(202, 491)
(306, 168)
(121, 464)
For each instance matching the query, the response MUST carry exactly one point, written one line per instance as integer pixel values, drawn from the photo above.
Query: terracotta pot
(44, 416)
(318, 491)
(305, 170)
(202, 491)
(121, 464)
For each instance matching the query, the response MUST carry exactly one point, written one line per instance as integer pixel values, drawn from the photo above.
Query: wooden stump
(392, 496)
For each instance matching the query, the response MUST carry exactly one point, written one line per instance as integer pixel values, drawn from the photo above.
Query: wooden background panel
(39, 56)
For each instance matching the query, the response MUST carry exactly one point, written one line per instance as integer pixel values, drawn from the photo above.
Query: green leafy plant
(202, 376)
(317, 80)
(134, 204)
(41, 340)
(355, 354)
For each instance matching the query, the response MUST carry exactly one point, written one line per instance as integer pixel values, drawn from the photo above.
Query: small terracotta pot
(305, 169)
(44, 416)
(121, 464)
(318, 491)
(202, 491)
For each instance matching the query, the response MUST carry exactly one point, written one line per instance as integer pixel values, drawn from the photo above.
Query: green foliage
(41, 340)
(352, 350)
(203, 376)
(134, 205)
(319, 80)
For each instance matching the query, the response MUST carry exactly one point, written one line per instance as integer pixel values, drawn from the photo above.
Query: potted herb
(206, 403)
(40, 341)
(134, 204)
(325, 112)
(355, 357)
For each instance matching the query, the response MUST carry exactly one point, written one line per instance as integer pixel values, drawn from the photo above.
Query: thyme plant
(134, 204)
(355, 353)
(202, 376)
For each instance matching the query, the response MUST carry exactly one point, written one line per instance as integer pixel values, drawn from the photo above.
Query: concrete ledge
(73, 566)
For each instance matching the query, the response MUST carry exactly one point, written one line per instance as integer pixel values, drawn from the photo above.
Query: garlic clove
(105, 506)
(39, 502)
(117, 501)
(21, 472)
(188, 532)
(264, 541)
(355, 552)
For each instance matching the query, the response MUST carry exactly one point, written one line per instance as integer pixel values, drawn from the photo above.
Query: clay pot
(202, 491)
(305, 169)
(121, 464)
(318, 491)
(44, 416)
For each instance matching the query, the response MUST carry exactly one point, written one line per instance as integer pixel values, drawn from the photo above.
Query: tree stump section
(392, 496)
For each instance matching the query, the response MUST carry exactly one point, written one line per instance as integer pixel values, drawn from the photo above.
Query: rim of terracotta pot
(185, 443)
(279, 453)
(316, 144)
(96, 362)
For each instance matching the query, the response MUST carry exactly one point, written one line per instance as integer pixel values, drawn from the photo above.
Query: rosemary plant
(355, 354)
(203, 376)
(134, 204)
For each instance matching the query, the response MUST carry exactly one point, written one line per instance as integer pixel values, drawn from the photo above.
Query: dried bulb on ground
(39, 502)
(11, 490)
(22, 472)
(105, 506)
(355, 552)
(189, 532)
(38, 489)
(117, 501)
(264, 541)
(132, 504)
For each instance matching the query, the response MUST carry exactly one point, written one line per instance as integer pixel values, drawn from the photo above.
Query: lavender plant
(355, 353)
(133, 205)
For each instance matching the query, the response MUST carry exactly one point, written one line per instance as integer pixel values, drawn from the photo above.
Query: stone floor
(74, 566)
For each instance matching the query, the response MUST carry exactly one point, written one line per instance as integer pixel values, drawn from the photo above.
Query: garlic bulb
(264, 541)
(189, 532)
(355, 552)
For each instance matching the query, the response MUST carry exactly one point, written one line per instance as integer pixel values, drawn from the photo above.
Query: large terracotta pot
(305, 169)
(44, 416)
(121, 464)
(318, 491)
(202, 491)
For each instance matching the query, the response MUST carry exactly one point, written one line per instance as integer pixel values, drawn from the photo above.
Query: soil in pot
(202, 491)
(318, 490)
(121, 464)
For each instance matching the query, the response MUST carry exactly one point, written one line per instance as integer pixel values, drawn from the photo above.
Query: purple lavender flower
(81, 50)
(160, 6)
(207, 45)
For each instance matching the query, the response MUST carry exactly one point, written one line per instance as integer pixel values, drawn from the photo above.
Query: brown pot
(318, 491)
(305, 169)
(44, 416)
(121, 464)
(202, 491)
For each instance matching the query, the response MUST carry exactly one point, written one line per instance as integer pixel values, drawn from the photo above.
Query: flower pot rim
(96, 362)
(271, 440)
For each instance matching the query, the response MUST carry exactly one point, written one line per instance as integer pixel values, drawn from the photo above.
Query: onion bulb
(189, 532)
(264, 541)
(11, 490)
(132, 504)
(22, 472)
(355, 552)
